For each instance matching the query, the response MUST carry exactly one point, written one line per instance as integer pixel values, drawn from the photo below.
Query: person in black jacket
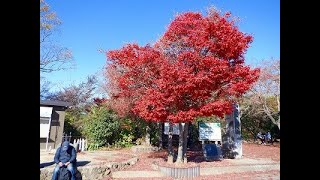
(65, 156)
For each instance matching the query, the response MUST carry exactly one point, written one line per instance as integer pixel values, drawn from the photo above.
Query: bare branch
(52, 56)
(265, 95)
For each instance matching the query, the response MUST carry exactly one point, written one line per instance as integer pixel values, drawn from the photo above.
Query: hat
(65, 145)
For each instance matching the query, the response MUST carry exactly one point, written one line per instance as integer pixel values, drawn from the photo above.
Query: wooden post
(82, 145)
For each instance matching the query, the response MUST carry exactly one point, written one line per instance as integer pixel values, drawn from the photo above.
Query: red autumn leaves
(195, 69)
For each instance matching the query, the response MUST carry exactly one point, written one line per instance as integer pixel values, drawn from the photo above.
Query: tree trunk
(160, 135)
(278, 101)
(185, 142)
(147, 137)
(267, 111)
(180, 147)
(170, 148)
(278, 123)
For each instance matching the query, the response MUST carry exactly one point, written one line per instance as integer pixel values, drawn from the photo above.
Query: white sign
(44, 130)
(45, 111)
(175, 128)
(209, 131)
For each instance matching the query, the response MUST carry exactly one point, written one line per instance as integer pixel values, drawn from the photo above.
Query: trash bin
(212, 152)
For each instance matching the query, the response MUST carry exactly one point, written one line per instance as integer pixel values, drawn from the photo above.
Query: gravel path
(259, 162)
(240, 168)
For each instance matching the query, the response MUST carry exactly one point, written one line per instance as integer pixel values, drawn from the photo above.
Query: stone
(232, 140)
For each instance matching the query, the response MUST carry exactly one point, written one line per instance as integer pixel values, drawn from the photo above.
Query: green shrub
(100, 127)
(124, 139)
(73, 123)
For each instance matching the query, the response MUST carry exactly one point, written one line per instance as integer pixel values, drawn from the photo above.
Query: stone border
(178, 173)
(142, 149)
(93, 172)
(123, 165)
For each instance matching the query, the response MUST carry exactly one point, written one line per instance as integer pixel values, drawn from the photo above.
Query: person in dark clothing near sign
(268, 138)
(261, 137)
(65, 157)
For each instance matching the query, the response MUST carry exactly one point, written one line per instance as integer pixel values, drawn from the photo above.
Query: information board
(209, 131)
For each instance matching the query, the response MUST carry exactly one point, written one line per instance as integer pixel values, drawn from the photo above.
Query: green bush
(251, 125)
(73, 123)
(136, 127)
(124, 139)
(100, 127)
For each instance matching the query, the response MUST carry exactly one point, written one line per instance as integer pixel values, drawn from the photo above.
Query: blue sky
(103, 24)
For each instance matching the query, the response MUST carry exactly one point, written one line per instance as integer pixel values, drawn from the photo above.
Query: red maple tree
(195, 69)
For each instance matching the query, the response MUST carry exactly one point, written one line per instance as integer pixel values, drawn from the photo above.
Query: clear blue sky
(89, 25)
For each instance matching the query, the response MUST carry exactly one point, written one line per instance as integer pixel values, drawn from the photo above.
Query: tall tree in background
(53, 57)
(44, 88)
(81, 97)
(195, 69)
(265, 96)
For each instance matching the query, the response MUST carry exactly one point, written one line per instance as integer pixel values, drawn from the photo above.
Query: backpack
(64, 174)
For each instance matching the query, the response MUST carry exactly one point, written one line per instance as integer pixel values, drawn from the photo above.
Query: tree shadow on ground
(194, 154)
(79, 164)
(45, 164)
(78, 175)
(82, 163)
(162, 154)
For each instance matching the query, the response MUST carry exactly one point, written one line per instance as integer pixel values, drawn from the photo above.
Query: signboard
(175, 128)
(209, 131)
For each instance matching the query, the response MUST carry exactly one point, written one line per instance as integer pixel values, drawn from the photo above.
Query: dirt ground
(250, 150)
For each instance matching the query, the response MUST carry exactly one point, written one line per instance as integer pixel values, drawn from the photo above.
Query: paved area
(136, 174)
(252, 166)
(238, 166)
(238, 169)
